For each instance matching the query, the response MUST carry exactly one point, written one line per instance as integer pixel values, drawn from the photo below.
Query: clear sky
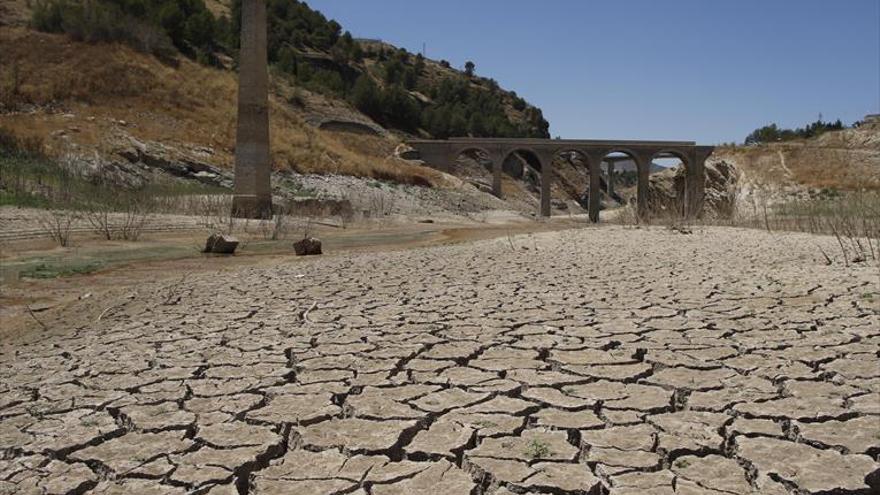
(705, 70)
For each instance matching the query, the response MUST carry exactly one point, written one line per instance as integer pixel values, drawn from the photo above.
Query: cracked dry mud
(596, 361)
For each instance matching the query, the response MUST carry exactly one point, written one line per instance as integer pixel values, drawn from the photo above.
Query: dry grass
(97, 86)
(14, 12)
(845, 161)
(852, 218)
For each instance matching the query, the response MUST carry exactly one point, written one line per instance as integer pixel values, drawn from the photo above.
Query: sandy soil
(601, 360)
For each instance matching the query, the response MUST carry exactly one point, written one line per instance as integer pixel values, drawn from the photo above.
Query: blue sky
(705, 70)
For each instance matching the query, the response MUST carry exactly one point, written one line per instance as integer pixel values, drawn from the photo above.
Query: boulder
(221, 244)
(406, 152)
(307, 247)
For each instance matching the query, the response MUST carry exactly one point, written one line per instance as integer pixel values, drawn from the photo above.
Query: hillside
(397, 89)
(97, 99)
(845, 160)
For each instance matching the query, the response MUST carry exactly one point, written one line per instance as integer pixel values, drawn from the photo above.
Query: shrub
(365, 96)
(151, 27)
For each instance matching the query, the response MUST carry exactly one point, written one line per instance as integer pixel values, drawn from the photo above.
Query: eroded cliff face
(742, 177)
(666, 189)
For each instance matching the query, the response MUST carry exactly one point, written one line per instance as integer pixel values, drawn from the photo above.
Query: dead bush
(57, 224)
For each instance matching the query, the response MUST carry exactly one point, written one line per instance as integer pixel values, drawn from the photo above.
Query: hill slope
(844, 160)
(116, 109)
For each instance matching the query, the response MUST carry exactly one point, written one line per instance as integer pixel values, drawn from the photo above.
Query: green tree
(399, 109)
(365, 97)
(469, 68)
(171, 19)
(199, 29)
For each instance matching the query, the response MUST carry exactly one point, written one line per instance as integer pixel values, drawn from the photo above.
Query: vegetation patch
(537, 449)
(396, 89)
(60, 269)
(157, 26)
(773, 133)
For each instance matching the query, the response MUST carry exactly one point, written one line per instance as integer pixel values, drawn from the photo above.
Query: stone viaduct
(443, 154)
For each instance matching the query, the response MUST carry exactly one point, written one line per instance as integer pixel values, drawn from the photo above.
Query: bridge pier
(252, 182)
(643, 166)
(497, 169)
(609, 179)
(595, 200)
(546, 184)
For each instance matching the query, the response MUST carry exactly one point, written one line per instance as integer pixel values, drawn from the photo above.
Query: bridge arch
(670, 196)
(672, 152)
(536, 174)
(622, 168)
(583, 165)
(483, 161)
(457, 152)
(531, 155)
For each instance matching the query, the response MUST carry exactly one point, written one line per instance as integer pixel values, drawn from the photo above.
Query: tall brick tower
(253, 190)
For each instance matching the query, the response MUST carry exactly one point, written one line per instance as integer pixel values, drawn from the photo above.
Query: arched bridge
(441, 154)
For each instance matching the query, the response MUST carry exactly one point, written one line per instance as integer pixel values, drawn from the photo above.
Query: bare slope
(85, 98)
(842, 160)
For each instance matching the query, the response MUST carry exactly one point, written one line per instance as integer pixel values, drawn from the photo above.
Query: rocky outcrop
(350, 126)
(187, 164)
(666, 189)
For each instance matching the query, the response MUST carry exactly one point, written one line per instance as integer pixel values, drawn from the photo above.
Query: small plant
(90, 422)
(172, 292)
(682, 463)
(537, 449)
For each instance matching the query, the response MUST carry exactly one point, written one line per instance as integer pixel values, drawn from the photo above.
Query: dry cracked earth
(598, 361)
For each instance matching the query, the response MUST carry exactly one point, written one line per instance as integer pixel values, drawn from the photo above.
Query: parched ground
(602, 360)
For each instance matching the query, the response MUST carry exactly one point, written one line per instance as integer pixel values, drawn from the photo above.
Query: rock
(221, 244)
(307, 247)
(406, 152)
(206, 177)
